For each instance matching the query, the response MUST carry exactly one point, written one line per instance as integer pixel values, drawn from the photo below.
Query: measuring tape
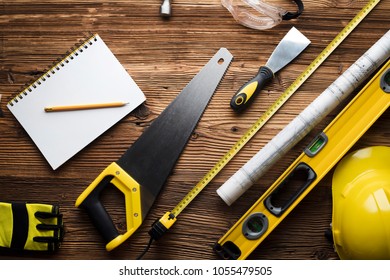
(169, 218)
(309, 168)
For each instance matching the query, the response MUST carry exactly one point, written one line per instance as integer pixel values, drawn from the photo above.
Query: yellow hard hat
(361, 204)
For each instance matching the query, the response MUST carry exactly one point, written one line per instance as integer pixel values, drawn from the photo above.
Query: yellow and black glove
(30, 226)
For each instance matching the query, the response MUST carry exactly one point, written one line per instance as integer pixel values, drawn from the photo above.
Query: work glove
(29, 226)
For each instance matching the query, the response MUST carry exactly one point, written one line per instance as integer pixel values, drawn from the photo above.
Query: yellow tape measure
(170, 217)
(274, 107)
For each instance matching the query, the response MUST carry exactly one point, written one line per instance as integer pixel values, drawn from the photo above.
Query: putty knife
(292, 44)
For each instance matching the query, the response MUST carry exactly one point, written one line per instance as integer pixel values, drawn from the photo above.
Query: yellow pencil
(83, 106)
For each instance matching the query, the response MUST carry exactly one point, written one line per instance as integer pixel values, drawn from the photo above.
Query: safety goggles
(258, 14)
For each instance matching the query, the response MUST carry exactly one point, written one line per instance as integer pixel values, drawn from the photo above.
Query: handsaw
(142, 170)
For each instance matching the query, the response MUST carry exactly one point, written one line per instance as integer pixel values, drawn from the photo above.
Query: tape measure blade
(274, 107)
(210, 175)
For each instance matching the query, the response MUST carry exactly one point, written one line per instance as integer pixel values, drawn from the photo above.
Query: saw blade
(152, 157)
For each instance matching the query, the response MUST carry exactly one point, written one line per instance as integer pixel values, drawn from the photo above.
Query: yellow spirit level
(308, 169)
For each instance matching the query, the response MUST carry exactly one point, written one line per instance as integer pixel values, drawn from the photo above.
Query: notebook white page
(94, 75)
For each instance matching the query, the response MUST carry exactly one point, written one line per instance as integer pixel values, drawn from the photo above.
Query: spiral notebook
(89, 74)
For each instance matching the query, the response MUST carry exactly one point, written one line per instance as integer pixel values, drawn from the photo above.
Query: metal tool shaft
(165, 8)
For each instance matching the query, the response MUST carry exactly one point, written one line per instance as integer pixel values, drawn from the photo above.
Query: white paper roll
(298, 128)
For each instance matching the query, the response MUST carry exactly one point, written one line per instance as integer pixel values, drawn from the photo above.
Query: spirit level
(309, 168)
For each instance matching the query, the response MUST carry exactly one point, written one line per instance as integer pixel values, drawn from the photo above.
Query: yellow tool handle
(245, 95)
(90, 201)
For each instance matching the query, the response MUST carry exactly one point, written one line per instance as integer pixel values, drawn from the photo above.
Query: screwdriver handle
(245, 95)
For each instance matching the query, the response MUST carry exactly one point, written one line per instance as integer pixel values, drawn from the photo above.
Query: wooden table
(162, 55)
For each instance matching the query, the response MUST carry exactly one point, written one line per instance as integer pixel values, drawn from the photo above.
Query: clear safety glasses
(259, 15)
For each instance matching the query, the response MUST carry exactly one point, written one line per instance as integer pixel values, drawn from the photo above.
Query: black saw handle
(245, 95)
(98, 213)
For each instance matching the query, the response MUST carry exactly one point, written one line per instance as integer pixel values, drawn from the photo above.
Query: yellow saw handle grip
(90, 201)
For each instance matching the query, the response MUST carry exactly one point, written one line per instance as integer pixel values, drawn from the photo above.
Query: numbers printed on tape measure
(274, 107)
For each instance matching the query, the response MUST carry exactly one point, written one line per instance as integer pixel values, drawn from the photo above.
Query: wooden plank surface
(162, 56)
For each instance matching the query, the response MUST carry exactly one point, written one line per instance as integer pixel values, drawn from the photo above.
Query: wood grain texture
(162, 56)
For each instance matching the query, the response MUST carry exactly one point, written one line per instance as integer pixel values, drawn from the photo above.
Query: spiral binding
(55, 67)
